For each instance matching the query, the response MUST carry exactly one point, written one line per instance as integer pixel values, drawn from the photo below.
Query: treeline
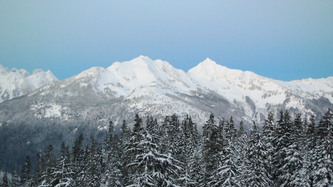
(284, 152)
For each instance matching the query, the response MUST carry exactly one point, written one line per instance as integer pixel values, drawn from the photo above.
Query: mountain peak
(207, 67)
(141, 59)
(18, 82)
(208, 61)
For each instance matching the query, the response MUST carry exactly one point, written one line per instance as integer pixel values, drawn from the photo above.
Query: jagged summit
(18, 82)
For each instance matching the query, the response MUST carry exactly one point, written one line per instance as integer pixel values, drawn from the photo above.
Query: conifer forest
(286, 150)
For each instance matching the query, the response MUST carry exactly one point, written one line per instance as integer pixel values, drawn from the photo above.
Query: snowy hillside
(244, 86)
(15, 83)
(155, 87)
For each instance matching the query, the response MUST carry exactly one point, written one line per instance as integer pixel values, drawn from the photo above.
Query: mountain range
(154, 87)
(38, 109)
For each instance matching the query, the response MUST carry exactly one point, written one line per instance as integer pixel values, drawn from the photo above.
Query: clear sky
(280, 39)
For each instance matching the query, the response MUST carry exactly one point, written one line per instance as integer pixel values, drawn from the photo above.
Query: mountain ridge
(85, 103)
(15, 83)
(143, 84)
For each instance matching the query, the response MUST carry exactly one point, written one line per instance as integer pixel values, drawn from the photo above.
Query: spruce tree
(323, 166)
(26, 171)
(114, 170)
(92, 165)
(125, 131)
(63, 175)
(78, 158)
(281, 142)
(132, 149)
(16, 180)
(212, 146)
(268, 141)
(255, 173)
(227, 173)
(5, 181)
(188, 151)
(152, 168)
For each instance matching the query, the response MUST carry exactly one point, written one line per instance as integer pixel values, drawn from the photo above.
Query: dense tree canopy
(291, 151)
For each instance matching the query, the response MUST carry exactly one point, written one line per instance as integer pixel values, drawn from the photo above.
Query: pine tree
(212, 147)
(153, 168)
(323, 166)
(91, 165)
(227, 173)
(16, 180)
(132, 149)
(255, 173)
(173, 136)
(125, 131)
(26, 171)
(293, 163)
(188, 150)
(39, 169)
(230, 131)
(63, 175)
(138, 124)
(241, 129)
(241, 150)
(49, 170)
(281, 142)
(114, 171)
(268, 141)
(5, 181)
(226, 169)
(192, 171)
(78, 159)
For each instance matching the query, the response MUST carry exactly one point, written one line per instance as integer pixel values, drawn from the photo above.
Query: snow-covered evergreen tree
(227, 173)
(63, 175)
(281, 142)
(77, 163)
(113, 173)
(291, 171)
(5, 181)
(323, 166)
(267, 138)
(255, 173)
(152, 168)
(26, 171)
(212, 147)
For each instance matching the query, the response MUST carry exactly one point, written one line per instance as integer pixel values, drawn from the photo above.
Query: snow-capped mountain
(255, 94)
(51, 111)
(15, 83)
(155, 87)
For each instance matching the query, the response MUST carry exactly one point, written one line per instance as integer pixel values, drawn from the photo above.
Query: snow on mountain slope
(236, 85)
(312, 88)
(255, 93)
(122, 78)
(145, 85)
(155, 87)
(15, 83)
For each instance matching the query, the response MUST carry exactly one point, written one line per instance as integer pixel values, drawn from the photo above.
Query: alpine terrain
(37, 109)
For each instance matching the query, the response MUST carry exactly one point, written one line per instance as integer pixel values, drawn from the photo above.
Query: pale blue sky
(285, 39)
